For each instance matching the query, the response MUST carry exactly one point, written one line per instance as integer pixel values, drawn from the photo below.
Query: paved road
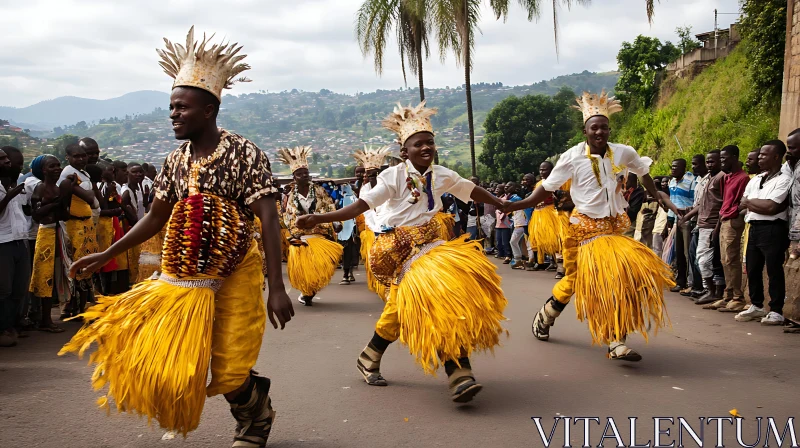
(706, 365)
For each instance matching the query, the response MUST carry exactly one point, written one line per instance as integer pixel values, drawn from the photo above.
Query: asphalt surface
(704, 366)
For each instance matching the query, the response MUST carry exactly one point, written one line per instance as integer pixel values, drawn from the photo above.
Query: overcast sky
(102, 49)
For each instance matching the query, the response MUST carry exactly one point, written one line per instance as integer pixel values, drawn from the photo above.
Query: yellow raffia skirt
(545, 230)
(619, 287)
(446, 223)
(42, 277)
(155, 344)
(311, 266)
(448, 302)
(367, 241)
(105, 233)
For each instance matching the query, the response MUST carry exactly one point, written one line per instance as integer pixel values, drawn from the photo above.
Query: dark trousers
(350, 254)
(15, 277)
(503, 242)
(683, 239)
(697, 277)
(766, 245)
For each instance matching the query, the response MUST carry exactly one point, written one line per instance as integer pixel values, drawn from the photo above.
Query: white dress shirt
(33, 226)
(775, 189)
(590, 198)
(392, 191)
(136, 200)
(371, 216)
(13, 225)
(86, 184)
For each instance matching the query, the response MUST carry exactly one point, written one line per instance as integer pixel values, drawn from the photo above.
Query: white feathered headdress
(592, 105)
(296, 157)
(371, 158)
(211, 69)
(407, 121)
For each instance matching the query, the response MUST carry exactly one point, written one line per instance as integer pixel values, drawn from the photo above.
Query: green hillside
(708, 112)
(334, 124)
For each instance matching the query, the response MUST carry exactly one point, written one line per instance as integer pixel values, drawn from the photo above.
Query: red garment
(732, 191)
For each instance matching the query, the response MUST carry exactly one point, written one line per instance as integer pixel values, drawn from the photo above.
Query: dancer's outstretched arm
(343, 214)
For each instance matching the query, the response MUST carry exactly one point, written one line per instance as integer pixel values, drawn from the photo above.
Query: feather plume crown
(592, 105)
(371, 157)
(211, 69)
(407, 121)
(296, 157)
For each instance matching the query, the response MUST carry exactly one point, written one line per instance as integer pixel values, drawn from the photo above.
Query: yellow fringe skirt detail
(545, 230)
(446, 223)
(449, 303)
(619, 283)
(150, 256)
(105, 233)
(311, 266)
(367, 241)
(42, 277)
(156, 341)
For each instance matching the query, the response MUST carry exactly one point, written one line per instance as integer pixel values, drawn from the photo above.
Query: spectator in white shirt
(15, 271)
(765, 199)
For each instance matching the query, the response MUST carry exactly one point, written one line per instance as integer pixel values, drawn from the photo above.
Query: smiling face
(191, 111)
(51, 169)
(665, 184)
(597, 131)
(76, 156)
(545, 169)
(726, 161)
(421, 149)
(511, 188)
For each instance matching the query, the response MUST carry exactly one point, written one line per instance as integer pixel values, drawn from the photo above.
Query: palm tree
(455, 22)
(375, 21)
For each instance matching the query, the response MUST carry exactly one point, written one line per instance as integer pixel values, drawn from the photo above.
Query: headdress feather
(211, 69)
(407, 121)
(592, 105)
(371, 157)
(296, 157)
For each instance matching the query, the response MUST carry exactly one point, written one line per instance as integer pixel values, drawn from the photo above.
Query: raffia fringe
(367, 240)
(310, 268)
(619, 288)
(449, 304)
(545, 230)
(153, 351)
(446, 222)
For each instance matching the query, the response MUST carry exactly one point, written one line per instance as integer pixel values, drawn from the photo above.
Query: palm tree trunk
(467, 67)
(419, 74)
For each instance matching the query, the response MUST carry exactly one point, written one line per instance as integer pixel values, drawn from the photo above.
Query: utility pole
(716, 34)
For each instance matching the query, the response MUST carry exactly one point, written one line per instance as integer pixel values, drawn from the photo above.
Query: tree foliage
(763, 28)
(521, 132)
(686, 43)
(638, 64)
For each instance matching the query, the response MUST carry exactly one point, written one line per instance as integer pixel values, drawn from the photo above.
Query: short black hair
(11, 150)
(698, 156)
(732, 150)
(119, 164)
(547, 162)
(796, 131)
(681, 161)
(134, 164)
(72, 147)
(777, 144)
(146, 166)
(715, 151)
(88, 142)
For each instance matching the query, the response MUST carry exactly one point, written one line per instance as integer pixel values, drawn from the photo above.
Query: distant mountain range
(68, 110)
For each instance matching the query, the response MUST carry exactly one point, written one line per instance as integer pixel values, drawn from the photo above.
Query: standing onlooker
(793, 156)
(503, 228)
(707, 212)
(487, 226)
(681, 193)
(520, 222)
(472, 213)
(764, 199)
(660, 225)
(15, 268)
(730, 228)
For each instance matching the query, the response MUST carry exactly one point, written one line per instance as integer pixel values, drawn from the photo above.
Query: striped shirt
(682, 193)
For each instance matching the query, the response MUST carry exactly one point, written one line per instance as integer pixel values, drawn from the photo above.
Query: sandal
(623, 353)
(53, 328)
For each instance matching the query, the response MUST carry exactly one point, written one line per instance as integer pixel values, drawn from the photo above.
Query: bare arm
(41, 213)
(538, 195)
(764, 206)
(480, 195)
(343, 214)
(151, 224)
(86, 195)
(12, 193)
(278, 303)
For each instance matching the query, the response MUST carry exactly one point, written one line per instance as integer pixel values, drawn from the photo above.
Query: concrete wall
(790, 100)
